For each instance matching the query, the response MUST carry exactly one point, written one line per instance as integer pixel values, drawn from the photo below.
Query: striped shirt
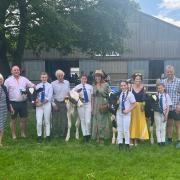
(173, 89)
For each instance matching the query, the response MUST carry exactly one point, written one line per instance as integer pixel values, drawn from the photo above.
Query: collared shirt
(15, 86)
(60, 90)
(166, 100)
(89, 90)
(173, 89)
(129, 99)
(48, 91)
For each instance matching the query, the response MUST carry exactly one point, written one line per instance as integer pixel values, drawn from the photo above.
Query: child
(43, 107)
(127, 103)
(161, 113)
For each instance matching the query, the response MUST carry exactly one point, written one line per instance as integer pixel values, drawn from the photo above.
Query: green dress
(100, 121)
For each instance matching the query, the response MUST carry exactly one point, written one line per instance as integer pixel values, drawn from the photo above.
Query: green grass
(25, 159)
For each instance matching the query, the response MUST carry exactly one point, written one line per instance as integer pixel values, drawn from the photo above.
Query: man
(16, 87)
(85, 110)
(43, 107)
(61, 89)
(172, 85)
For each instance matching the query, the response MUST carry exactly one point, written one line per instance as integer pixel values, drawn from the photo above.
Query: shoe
(120, 146)
(178, 145)
(159, 144)
(127, 147)
(163, 143)
(169, 141)
(48, 139)
(39, 139)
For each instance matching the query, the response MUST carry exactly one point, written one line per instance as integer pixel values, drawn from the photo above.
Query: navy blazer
(7, 96)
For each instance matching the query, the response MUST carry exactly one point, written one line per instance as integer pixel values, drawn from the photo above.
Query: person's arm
(132, 100)
(133, 105)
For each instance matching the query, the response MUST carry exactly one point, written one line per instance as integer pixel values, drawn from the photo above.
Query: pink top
(16, 86)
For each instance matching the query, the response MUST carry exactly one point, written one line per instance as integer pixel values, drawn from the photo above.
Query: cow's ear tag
(31, 90)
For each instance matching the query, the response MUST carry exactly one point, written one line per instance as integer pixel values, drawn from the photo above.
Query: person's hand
(55, 107)
(12, 110)
(142, 108)
(126, 111)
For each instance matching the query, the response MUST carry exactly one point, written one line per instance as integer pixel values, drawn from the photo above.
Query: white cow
(72, 102)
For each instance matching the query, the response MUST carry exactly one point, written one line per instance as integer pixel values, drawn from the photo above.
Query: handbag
(104, 108)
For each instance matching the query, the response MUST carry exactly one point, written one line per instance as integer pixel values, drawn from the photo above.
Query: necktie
(85, 94)
(161, 103)
(123, 102)
(43, 94)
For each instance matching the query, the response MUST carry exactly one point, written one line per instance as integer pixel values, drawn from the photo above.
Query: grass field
(25, 159)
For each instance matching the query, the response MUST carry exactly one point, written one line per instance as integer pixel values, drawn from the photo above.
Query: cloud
(169, 20)
(170, 4)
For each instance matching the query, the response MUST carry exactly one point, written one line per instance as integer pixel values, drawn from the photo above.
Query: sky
(166, 10)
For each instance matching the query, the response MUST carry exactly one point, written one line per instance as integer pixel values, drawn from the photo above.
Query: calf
(151, 105)
(113, 106)
(72, 101)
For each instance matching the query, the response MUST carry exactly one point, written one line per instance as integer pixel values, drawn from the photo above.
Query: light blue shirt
(60, 90)
(48, 91)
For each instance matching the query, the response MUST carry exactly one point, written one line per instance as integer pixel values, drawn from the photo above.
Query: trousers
(160, 127)
(123, 124)
(43, 112)
(85, 118)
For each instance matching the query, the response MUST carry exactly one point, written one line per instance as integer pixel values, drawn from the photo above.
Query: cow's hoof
(113, 141)
(67, 139)
(152, 141)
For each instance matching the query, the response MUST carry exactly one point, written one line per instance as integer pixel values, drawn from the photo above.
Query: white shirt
(166, 100)
(89, 90)
(60, 90)
(129, 100)
(48, 91)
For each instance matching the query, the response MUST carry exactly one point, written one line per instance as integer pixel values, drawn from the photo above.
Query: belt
(60, 101)
(17, 101)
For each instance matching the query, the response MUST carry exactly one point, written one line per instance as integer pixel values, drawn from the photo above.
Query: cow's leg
(77, 127)
(151, 123)
(114, 129)
(69, 126)
(114, 135)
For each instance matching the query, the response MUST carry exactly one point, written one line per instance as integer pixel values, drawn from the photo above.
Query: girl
(161, 113)
(127, 103)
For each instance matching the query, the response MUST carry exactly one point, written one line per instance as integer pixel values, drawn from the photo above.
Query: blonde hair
(1, 77)
(59, 71)
(169, 67)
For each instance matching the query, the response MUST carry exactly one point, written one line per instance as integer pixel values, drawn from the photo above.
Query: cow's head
(113, 102)
(32, 94)
(74, 97)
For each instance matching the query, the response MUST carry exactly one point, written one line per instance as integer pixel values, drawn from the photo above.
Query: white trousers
(43, 111)
(85, 118)
(123, 124)
(160, 127)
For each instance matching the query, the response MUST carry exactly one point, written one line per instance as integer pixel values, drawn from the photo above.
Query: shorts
(174, 115)
(19, 108)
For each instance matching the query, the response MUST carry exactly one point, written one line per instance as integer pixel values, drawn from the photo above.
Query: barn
(151, 46)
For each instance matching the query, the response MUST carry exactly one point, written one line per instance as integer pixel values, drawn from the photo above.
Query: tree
(93, 26)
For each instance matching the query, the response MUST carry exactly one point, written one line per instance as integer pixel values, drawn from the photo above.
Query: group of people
(94, 115)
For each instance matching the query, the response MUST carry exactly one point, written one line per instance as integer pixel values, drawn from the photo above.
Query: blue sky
(167, 10)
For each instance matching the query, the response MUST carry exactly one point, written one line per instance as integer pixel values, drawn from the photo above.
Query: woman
(101, 117)
(138, 127)
(4, 105)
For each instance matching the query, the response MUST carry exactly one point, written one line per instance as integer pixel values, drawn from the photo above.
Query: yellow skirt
(138, 126)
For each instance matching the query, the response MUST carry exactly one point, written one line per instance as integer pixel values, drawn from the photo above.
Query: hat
(99, 71)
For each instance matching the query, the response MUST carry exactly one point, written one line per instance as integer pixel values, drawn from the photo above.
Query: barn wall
(33, 69)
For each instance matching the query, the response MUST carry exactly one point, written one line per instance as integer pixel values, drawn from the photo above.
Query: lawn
(25, 159)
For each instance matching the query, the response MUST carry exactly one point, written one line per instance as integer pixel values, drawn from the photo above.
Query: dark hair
(160, 84)
(137, 74)
(84, 74)
(124, 81)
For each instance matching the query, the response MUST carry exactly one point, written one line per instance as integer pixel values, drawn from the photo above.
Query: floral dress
(100, 120)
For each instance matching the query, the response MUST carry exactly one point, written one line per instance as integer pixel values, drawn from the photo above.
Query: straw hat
(99, 71)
